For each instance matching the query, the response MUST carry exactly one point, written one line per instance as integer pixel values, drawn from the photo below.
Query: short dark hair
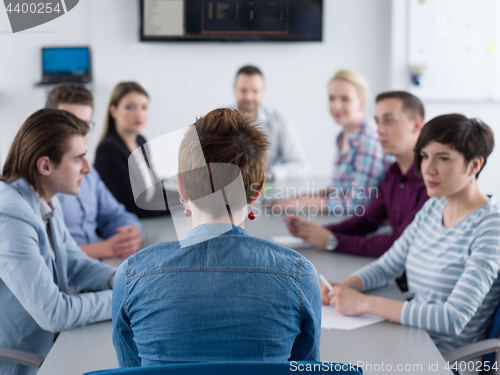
(412, 105)
(249, 70)
(69, 93)
(47, 132)
(471, 137)
(226, 137)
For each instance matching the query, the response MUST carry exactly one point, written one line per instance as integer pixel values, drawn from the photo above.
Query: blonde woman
(359, 161)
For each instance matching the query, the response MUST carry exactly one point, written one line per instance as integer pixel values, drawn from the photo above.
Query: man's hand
(311, 233)
(285, 205)
(127, 241)
(314, 204)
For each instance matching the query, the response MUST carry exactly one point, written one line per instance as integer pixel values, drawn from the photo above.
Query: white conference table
(379, 348)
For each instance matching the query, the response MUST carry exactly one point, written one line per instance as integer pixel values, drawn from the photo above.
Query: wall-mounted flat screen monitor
(231, 20)
(66, 64)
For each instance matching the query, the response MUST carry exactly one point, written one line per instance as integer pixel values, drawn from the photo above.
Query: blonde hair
(357, 80)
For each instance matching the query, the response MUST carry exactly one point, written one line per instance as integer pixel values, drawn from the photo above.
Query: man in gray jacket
(38, 258)
(286, 158)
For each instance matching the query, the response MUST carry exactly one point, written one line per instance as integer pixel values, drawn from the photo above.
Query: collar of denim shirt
(212, 230)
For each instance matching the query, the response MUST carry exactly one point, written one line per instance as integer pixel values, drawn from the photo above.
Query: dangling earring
(251, 215)
(187, 211)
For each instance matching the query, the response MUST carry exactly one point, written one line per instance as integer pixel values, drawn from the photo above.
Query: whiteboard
(459, 43)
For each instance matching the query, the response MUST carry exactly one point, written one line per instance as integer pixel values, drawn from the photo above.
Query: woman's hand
(325, 297)
(348, 301)
(352, 282)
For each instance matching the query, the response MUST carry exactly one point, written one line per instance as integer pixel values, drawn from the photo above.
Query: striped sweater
(451, 271)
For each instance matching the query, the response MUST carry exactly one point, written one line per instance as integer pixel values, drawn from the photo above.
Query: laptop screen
(74, 60)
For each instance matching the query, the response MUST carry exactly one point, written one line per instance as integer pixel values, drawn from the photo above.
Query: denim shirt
(232, 297)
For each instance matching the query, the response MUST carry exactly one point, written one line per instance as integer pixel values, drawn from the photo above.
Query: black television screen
(231, 20)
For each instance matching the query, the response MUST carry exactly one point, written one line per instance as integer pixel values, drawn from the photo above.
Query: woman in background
(451, 250)
(133, 184)
(359, 161)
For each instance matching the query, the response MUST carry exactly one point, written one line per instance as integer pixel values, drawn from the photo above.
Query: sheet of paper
(331, 318)
(290, 241)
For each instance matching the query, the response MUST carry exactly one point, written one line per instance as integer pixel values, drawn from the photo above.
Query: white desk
(385, 344)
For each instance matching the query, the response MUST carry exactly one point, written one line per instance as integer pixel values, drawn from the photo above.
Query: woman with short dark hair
(218, 294)
(38, 256)
(451, 250)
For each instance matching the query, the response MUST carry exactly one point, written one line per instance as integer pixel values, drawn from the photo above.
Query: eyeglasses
(91, 125)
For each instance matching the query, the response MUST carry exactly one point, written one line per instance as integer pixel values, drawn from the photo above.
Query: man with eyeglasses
(95, 208)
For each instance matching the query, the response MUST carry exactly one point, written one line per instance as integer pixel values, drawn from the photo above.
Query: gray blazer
(34, 303)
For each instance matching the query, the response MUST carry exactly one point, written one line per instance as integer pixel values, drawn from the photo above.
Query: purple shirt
(400, 197)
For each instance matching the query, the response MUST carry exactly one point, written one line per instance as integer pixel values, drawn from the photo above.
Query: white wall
(400, 80)
(20, 66)
(189, 79)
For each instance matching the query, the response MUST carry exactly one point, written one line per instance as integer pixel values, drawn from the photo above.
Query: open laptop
(66, 64)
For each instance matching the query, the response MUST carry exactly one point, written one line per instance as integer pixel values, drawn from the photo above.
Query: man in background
(400, 118)
(286, 158)
(95, 207)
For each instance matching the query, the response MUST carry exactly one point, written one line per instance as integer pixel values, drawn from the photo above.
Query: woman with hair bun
(219, 294)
